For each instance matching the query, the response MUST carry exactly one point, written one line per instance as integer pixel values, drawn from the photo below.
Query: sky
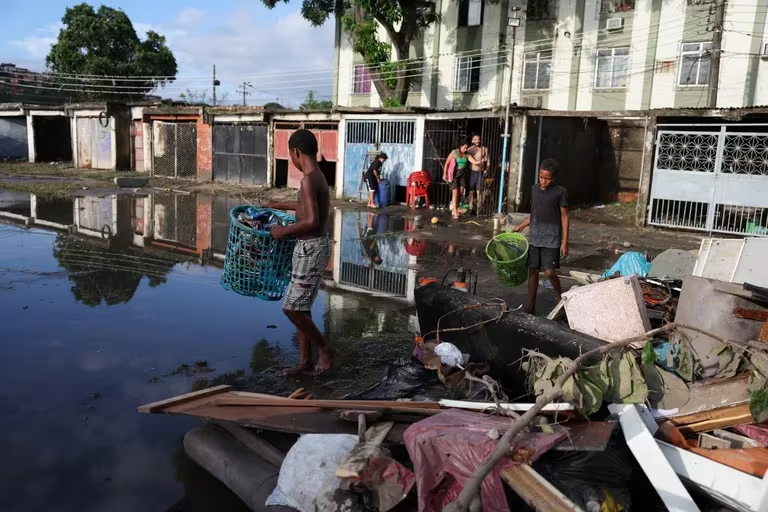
(276, 50)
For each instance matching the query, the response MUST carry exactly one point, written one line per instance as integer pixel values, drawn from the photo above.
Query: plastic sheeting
(629, 264)
(446, 449)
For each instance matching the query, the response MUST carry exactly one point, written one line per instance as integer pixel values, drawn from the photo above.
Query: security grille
(711, 180)
(175, 218)
(174, 150)
(369, 278)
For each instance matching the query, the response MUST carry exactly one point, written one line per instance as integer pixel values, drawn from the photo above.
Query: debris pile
(654, 397)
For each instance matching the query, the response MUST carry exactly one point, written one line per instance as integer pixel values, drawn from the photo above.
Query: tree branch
(472, 486)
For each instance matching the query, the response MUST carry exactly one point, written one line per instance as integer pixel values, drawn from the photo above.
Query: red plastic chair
(417, 185)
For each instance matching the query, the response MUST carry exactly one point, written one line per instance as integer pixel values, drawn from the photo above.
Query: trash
(650, 457)
(446, 449)
(673, 264)
(449, 355)
(627, 245)
(308, 473)
(610, 310)
(733, 260)
(629, 264)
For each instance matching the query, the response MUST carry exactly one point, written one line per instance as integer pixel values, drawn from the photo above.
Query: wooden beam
(162, 404)
(328, 404)
(704, 421)
(536, 491)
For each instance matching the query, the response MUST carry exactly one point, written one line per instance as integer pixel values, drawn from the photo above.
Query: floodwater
(94, 325)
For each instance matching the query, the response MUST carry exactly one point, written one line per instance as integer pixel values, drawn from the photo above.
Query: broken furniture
(739, 261)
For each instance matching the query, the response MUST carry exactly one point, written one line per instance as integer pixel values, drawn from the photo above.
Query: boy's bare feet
(325, 361)
(299, 369)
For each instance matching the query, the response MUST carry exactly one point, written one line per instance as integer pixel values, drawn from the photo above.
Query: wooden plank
(330, 404)
(758, 315)
(753, 461)
(536, 491)
(177, 400)
(705, 421)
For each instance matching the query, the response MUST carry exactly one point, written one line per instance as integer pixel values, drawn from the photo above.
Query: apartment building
(578, 55)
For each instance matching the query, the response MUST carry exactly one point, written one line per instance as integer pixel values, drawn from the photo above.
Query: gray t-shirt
(546, 227)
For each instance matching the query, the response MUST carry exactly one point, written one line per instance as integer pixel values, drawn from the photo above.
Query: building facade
(594, 55)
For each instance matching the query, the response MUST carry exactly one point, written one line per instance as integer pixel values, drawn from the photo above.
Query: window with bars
(694, 64)
(616, 5)
(361, 81)
(470, 13)
(467, 74)
(612, 68)
(537, 70)
(541, 9)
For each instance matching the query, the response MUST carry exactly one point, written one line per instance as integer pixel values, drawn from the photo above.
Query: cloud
(37, 46)
(189, 17)
(281, 57)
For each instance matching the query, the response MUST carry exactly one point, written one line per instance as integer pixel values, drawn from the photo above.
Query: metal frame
(711, 180)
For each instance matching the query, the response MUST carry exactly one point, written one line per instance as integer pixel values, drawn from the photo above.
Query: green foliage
(273, 105)
(201, 97)
(649, 356)
(104, 42)
(310, 103)
(758, 405)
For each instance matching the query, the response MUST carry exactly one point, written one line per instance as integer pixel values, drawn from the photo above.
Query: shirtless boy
(312, 252)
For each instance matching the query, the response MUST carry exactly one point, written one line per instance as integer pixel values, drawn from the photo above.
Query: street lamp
(514, 22)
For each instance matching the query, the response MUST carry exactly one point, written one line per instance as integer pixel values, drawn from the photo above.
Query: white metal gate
(711, 178)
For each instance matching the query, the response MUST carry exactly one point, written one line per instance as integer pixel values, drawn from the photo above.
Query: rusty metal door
(240, 153)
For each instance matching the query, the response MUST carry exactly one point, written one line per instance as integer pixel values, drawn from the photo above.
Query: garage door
(240, 153)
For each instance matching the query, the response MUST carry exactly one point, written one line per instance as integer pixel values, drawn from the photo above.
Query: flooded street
(92, 328)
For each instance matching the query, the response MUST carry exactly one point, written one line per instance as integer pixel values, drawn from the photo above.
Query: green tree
(104, 42)
(273, 105)
(403, 20)
(310, 103)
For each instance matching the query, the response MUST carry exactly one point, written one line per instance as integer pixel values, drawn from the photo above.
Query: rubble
(678, 361)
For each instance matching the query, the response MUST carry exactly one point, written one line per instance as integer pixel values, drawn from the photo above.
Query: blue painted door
(395, 138)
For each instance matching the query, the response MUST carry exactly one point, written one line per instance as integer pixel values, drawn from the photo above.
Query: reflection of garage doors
(240, 153)
(221, 209)
(175, 219)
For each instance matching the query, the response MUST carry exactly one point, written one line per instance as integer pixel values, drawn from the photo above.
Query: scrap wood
(757, 315)
(178, 400)
(371, 405)
(536, 491)
(723, 417)
(358, 458)
(473, 484)
(753, 461)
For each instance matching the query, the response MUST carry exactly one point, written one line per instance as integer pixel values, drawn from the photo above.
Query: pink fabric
(446, 449)
(451, 169)
(758, 432)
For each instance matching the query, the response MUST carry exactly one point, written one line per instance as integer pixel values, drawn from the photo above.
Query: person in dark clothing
(549, 230)
(369, 241)
(373, 178)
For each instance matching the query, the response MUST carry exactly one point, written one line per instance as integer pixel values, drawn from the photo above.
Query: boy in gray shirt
(549, 231)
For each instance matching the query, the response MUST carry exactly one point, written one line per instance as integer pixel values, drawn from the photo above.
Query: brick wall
(204, 222)
(204, 152)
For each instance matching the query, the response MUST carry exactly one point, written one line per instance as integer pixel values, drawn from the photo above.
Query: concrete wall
(653, 31)
(13, 137)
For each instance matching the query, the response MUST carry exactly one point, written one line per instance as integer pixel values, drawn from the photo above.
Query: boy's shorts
(543, 258)
(310, 259)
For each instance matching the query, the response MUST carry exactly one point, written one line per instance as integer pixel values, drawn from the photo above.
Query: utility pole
(244, 91)
(514, 22)
(215, 83)
(716, 50)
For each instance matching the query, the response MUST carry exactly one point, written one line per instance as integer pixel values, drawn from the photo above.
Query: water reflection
(98, 314)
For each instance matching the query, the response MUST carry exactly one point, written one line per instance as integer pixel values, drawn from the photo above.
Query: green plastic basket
(508, 254)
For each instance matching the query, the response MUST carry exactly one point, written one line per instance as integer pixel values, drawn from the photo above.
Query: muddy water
(89, 333)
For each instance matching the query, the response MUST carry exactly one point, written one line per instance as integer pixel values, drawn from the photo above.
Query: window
(537, 70)
(616, 5)
(470, 13)
(361, 82)
(694, 64)
(541, 9)
(467, 74)
(612, 67)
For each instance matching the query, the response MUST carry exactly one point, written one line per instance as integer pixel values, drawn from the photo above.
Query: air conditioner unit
(614, 23)
(532, 101)
(764, 53)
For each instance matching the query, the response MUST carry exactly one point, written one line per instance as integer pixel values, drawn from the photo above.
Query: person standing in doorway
(454, 172)
(373, 178)
(312, 252)
(549, 231)
(478, 160)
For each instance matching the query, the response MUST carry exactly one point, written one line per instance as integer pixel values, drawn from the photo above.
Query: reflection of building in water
(366, 260)
(347, 316)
